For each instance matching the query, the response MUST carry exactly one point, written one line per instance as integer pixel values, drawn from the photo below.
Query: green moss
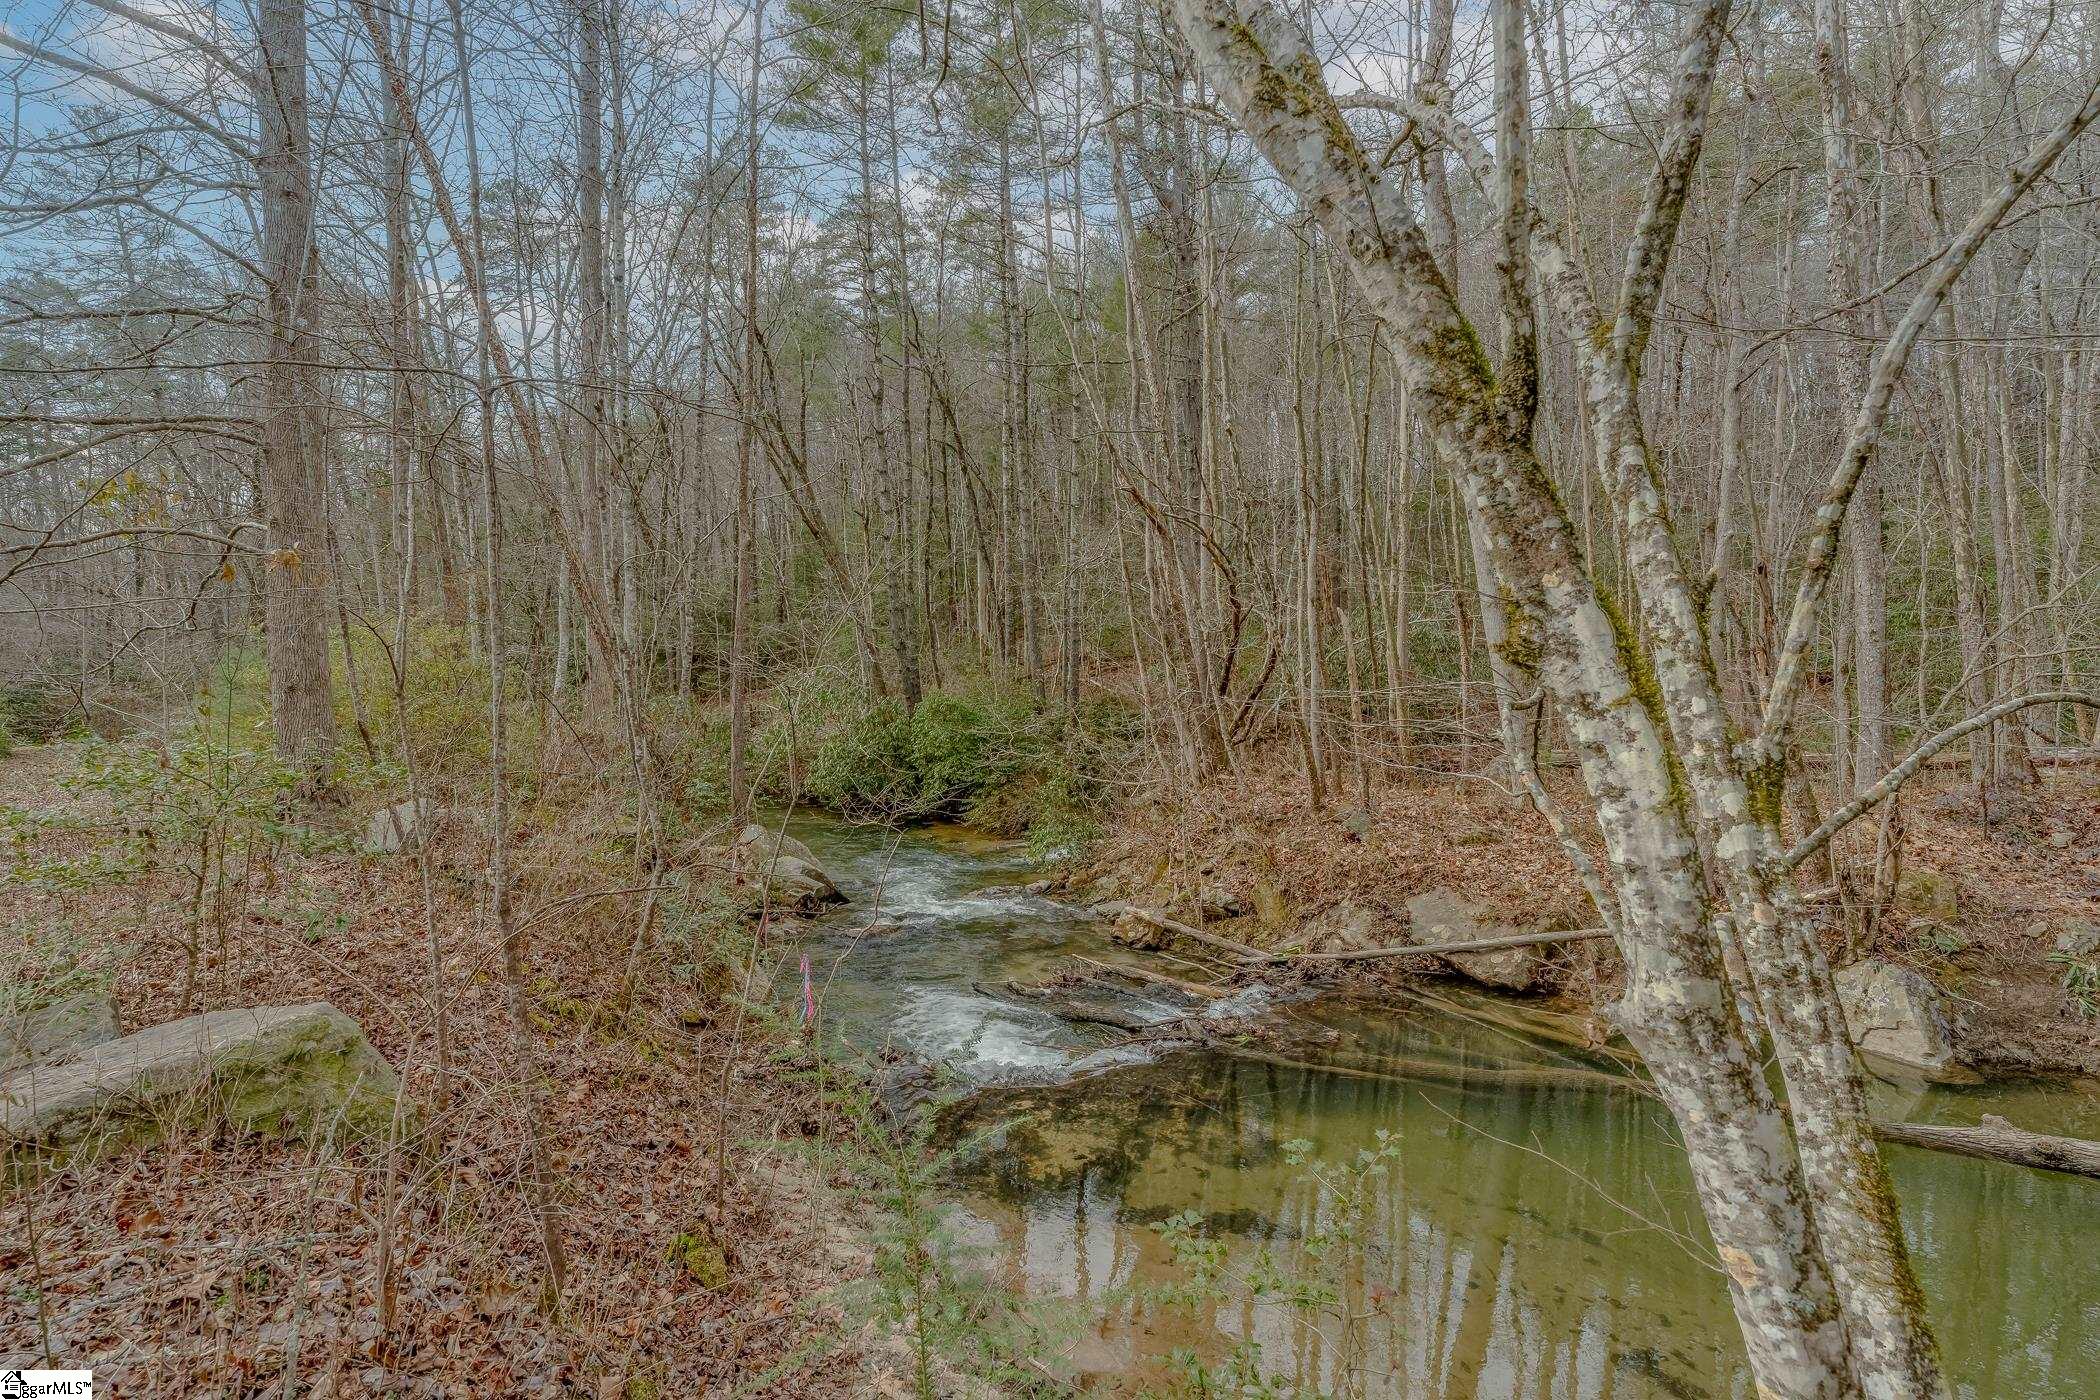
(1766, 781)
(1523, 648)
(1647, 692)
(699, 1256)
(1877, 1198)
(1535, 473)
(1928, 894)
(324, 1074)
(1456, 349)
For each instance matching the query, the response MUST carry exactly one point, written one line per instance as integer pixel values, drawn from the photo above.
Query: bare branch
(1903, 772)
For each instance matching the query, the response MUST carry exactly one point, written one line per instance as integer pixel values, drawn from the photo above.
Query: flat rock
(1895, 1014)
(2079, 939)
(58, 1031)
(1348, 927)
(1446, 916)
(402, 827)
(306, 1068)
(763, 841)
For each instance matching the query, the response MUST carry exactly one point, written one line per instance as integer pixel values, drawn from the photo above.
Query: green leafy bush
(447, 692)
(865, 771)
(35, 713)
(995, 755)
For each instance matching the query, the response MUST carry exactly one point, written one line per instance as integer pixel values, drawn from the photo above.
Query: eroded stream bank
(1524, 1239)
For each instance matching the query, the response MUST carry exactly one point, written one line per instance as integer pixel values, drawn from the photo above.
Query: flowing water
(1525, 1239)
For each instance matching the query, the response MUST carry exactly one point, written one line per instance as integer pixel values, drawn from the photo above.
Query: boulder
(57, 1031)
(2080, 939)
(1928, 894)
(1895, 1014)
(1134, 932)
(764, 842)
(1347, 928)
(403, 826)
(1446, 916)
(1218, 902)
(305, 1069)
(800, 884)
(793, 876)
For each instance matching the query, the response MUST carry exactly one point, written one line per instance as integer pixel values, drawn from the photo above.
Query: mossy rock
(696, 1253)
(1270, 906)
(1928, 894)
(293, 1070)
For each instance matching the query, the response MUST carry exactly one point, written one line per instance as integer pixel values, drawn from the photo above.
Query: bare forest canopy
(1046, 367)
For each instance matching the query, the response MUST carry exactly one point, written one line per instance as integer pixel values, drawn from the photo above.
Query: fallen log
(1419, 950)
(1998, 1140)
(1063, 1003)
(1209, 940)
(1194, 991)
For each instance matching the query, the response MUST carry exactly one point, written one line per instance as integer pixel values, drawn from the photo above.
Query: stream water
(1525, 1240)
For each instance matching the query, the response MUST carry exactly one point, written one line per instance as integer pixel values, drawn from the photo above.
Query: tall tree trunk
(747, 431)
(294, 473)
(1847, 234)
(590, 496)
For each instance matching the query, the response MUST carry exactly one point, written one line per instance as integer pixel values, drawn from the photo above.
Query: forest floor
(1979, 903)
(215, 1265)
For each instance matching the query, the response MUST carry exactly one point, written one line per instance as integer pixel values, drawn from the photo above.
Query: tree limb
(1920, 756)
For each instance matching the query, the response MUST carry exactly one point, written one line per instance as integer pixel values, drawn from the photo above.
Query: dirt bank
(1981, 899)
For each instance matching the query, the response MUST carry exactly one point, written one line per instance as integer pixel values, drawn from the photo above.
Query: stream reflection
(1528, 1240)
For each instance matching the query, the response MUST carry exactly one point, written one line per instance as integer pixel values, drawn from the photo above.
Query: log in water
(1531, 1236)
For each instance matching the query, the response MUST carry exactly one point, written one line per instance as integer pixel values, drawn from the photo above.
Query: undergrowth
(925, 1286)
(992, 754)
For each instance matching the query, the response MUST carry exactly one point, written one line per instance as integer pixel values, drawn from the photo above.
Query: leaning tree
(1697, 884)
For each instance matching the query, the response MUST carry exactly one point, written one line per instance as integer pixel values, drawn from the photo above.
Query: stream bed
(1522, 1240)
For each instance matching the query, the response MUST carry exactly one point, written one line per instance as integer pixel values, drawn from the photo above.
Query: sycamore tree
(1696, 885)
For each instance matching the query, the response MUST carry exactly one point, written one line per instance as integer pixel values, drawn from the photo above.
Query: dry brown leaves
(211, 1265)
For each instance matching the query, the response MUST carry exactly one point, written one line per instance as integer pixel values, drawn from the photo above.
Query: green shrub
(995, 755)
(447, 690)
(36, 713)
(865, 771)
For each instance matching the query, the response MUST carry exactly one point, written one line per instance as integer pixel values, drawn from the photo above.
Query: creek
(1523, 1240)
